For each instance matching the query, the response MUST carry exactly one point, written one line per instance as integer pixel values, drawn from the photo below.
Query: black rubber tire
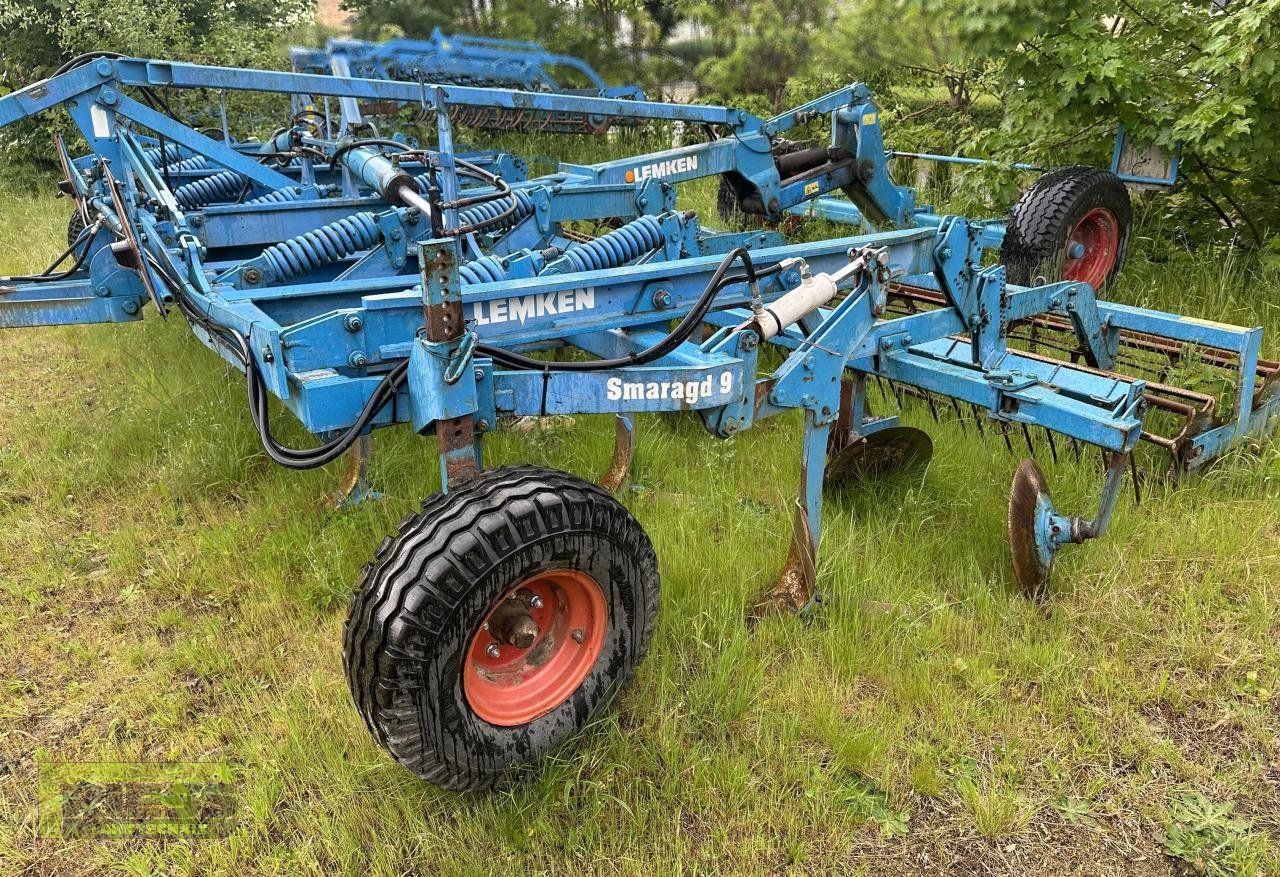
(425, 594)
(75, 227)
(1035, 238)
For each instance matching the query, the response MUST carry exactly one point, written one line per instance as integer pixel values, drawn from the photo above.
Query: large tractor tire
(1071, 224)
(497, 622)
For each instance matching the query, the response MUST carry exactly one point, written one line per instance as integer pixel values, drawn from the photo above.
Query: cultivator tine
(959, 414)
(1004, 433)
(1137, 480)
(1053, 445)
(794, 589)
(354, 488)
(624, 451)
(933, 409)
(1026, 436)
(977, 419)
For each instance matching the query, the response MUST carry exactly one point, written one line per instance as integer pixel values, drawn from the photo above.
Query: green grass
(168, 594)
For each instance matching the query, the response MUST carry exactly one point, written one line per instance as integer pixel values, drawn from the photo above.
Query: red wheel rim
(1092, 248)
(507, 682)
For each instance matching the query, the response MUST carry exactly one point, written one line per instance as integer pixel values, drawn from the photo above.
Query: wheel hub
(535, 646)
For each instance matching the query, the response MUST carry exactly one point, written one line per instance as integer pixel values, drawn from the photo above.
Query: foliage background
(1043, 81)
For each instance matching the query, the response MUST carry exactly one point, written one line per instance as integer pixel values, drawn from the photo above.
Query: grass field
(166, 593)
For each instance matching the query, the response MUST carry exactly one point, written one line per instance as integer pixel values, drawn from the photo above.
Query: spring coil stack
(610, 250)
(486, 269)
(318, 247)
(225, 186)
(193, 163)
(481, 215)
(279, 196)
(154, 157)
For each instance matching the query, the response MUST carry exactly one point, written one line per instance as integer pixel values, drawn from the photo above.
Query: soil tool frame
(400, 299)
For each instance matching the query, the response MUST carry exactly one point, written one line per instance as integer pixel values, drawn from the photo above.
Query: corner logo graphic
(662, 168)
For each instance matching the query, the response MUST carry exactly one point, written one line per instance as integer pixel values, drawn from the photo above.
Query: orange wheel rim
(535, 646)
(1092, 248)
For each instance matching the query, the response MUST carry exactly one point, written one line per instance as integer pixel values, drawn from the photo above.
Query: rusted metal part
(512, 624)
(624, 451)
(443, 322)
(842, 430)
(794, 589)
(1029, 493)
(132, 248)
(457, 448)
(354, 487)
(878, 454)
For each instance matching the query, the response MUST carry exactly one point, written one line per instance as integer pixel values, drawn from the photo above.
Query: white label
(688, 392)
(101, 121)
(662, 168)
(522, 308)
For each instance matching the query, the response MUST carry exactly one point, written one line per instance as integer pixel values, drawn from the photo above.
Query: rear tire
(1071, 224)
(419, 623)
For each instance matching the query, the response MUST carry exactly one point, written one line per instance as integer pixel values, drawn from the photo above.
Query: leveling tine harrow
(483, 62)
(425, 288)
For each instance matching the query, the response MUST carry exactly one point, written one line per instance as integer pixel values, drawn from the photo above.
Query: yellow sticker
(811, 189)
(868, 118)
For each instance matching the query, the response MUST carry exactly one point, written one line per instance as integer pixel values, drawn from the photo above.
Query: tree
(758, 47)
(1200, 76)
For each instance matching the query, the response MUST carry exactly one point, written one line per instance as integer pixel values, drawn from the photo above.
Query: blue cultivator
(482, 62)
(365, 282)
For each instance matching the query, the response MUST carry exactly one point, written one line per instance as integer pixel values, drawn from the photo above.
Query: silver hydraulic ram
(814, 291)
(386, 178)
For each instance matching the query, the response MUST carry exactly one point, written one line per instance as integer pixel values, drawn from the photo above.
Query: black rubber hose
(671, 341)
(47, 276)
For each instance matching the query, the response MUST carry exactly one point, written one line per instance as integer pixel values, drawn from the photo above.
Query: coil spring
(171, 154)
(320, 246)
(616, 248)
(279, 196)
(193, 163)
(481, 214)
(486, 269)
(219, 187)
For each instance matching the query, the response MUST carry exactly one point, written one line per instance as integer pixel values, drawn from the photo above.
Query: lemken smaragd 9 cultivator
(365, 281)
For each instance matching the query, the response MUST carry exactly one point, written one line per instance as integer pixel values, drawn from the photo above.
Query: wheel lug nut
(493, 651)
(578, 636)
(535, 602)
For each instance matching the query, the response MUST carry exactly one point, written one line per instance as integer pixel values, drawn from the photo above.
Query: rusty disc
(1028, 497)
(879, 454)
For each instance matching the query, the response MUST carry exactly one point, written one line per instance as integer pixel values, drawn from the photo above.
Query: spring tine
(1136, 476)
(893, 385)
(1053, 446)
(933, 409)
(1075, 447)
(1004, 432)
(959, 415)
(888, 391)
(1026, 434)
(977, 419)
